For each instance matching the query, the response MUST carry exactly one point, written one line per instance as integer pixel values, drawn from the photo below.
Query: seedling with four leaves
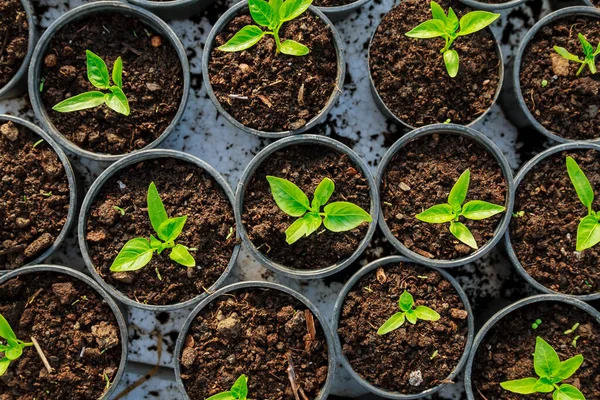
(136, 253)
(551, 371)
(13, 349)
(239, 391)
(338, 216)
(588, 53)
(588, 232)
(446, 26)
(406, 304)
(97, 73)
(454, 209)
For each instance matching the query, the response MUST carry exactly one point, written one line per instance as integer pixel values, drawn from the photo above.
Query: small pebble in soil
(415, 378)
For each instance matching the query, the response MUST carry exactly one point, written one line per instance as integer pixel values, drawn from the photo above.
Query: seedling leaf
(438, 214)
(289, 197)
(293, 48)
(182, 256)
(406, 301)
(393, 323)
(117, 73)
(343, 216)
(426, 313)
(458, 193)
(117, 101)
(476, 21)
(569, 367)
(428, 29)
(580, 182)
(478, 210)
(134, 255)
(452, 62)
(97, 71)
(245, 38)
(170, 229)
(588, 233)
(520, 386)
(240, 388)
(322, 193)
(156, 208)
(79, 102)
(291, 9)
(462, 233)
(546, 362)
(262, 13)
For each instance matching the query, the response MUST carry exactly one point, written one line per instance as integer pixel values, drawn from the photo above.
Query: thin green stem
(580, 69)
(277, 41)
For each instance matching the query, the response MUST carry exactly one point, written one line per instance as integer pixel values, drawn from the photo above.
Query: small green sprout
(588, 232)
(338, 216)
(36, 144)
(406, 303)
(518, 214)
(13, 347)
(434, 355)
(450, 212)
(574, 342)
(271, 15)
(45, 194)
(447, 26)
(42, 81)
(230, 234)
(588, 52)
(551, 372)
(136, 253)
(239, 391)
(97, 73)
(119, 210)
(536, 324)
(573, 329)
(544, 83)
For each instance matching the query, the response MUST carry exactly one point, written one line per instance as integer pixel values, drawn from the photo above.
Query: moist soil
(501, 357)
(14, 39)
(260, 333)
(152, 82)
(306, 166)
(544, 238)
(410, 75)
(34, 194)
(185, 189)
(568, 105)
(275, 92)
(373, 299)
(421, 175)
(76, 330)
(332, 3)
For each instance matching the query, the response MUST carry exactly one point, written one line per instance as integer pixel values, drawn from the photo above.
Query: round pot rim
(71, 181)
(556, 15)
(264, 154)
(390, 115)
(329, 337)
(343, 8)
(31, 42)
(512, 255)
(123, 334)
(479, 5)
(337, 310)
(333, 98)
(95, 189)
(490, 147)
(83, 11)
(163, 5)
(509, 309)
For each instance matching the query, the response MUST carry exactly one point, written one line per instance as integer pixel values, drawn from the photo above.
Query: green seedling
(572, 330)
(447, 26)
(119, 210)
(536, 324)
(12, 348)
(271, 15)
(589, 55)
(551, 371)
(97, 73)
(450, 212)
(338, 216)
(544, 83)
(136, 253)
(36, 144)
(406, 304)
(588, 232)
(239, 391)
(518, 214)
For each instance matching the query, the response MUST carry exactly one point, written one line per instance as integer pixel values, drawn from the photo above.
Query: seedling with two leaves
(239, 391)
(588, 232)
(454, 209)
(13, 349)
(588, 53)
(97, 73)
(406, 304)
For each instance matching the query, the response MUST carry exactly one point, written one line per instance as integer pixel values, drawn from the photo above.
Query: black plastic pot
(337, 310)
(479, 5)
(338, 13)
(173, 9)
(86, 10)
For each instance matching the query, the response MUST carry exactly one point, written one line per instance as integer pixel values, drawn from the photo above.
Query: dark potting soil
(14, 39)
(76, 330)
(275, 92)
(421, 175)
(257, 332)
(152, 82)
(544, 238)
(34, 194)
(568, 104)
(332, 3)
(306, 166)
(410, 75)
(411, 348)
(185, 189)
(502, 357)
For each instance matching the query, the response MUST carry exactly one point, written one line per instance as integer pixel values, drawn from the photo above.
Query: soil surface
(568, 105)
(275, 92)
(410, 348)
(152, 82)
(501, 357)
(254, 332)
(306, 166)
(410, 75)
(185, 189)
(544, 238)
(76, 330)
(332, 3)
(14, 39)
(34, 195)
(421, 175)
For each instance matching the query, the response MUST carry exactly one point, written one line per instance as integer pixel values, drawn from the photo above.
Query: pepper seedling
(447, 26)
(406, 303)
(338, 216)
(450, 212)
(13, 349)
(136, 253)
(271, 15)
(588, 53)
(551, 371)
(239, 391)
(588, 232)
(97, 73)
